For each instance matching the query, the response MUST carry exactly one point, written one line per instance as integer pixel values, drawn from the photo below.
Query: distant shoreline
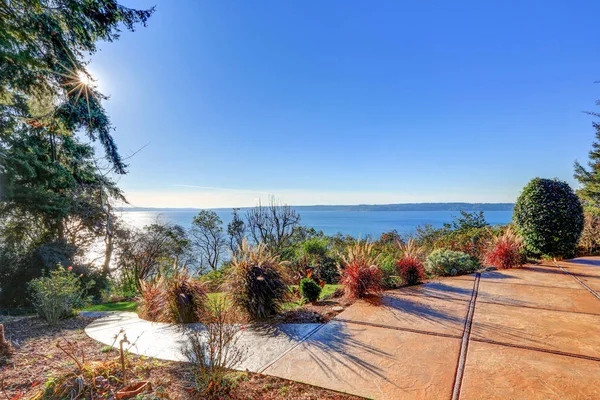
(469, 207)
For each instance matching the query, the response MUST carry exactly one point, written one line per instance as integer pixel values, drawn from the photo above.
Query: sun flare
(84, 78)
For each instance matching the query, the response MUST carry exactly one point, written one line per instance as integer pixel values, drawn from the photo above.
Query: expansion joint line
(460, 368)
(586, 287)
(279, 357)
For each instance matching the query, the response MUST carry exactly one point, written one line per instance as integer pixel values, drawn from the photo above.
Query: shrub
(215, 351)
(256, 281)
(410, 270)
(310, 290)
(56, 295)
(589, 243)
(549, 217)
(448, 262)
(315, 252)
(360, 273)
(505, 251)
(472, 241)
(175, 299)
(19, 266)
(214, 280)
(390, 272)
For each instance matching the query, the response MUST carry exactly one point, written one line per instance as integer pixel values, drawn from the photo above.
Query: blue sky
(346, 102)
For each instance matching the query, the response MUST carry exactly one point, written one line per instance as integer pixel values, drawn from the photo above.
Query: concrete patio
(529, 333)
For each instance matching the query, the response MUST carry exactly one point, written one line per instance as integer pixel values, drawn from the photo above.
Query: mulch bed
(36, 358)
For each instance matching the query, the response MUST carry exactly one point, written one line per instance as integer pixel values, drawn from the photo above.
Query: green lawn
(132, 305)
(118, 306)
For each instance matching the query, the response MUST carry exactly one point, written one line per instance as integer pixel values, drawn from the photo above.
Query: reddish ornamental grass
(360, 279)
(505, 251)
(410, 270)
(360, 273)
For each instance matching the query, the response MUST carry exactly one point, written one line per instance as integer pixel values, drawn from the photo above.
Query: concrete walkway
(167, 341)
(529, 333)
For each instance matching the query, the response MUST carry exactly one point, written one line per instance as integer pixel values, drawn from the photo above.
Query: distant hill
(377, 207)
(415, 207)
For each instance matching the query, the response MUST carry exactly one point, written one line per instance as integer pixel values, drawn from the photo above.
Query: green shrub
(256, 281)
(390, 272)
(56, 295)
(310, 290)
(448, 262)
(549, 217)
(214, 280)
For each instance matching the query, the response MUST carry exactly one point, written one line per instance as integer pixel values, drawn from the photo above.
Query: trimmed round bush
(310, 290)
(549, 217)
(448, 262)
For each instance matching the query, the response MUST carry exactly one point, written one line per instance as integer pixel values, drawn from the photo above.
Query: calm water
(355, 223)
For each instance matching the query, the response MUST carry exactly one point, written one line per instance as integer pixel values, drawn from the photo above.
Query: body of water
(355, 223)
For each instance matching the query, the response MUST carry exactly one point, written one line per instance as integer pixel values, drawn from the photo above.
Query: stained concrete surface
(533, 335)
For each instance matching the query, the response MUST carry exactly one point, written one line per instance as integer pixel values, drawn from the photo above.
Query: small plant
(88, 379)
(56, 295)
(410, 270)
(505, 251)
(215, 351)
(447, 262)
(176, 299)
(310, 290)
(360, 273)
(256, 281)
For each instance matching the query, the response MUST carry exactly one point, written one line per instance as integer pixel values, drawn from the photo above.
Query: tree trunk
(108, 241)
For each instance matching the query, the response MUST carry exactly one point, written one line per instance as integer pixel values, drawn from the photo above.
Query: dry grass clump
(360, 272)
(257, 281)
(175, 299)
(411, 249)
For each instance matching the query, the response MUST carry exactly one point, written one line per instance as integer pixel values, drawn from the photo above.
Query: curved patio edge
(168, 341)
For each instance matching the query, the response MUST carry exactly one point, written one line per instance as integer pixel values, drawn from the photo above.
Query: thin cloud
(222, 189)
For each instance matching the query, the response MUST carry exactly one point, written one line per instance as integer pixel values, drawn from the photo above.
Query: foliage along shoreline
(458, 206)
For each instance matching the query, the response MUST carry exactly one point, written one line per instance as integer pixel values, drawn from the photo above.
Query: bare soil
(37, 358)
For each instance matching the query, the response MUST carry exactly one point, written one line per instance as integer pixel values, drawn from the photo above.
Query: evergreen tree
(590, 178)
(52, 193)
(42, 48)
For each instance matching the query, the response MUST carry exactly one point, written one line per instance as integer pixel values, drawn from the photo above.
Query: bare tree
(273, 224)
(158, 249)
(208, 237)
